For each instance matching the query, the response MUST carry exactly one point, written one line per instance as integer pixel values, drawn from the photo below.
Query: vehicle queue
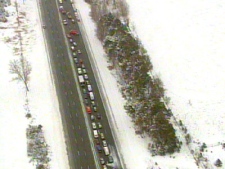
(88, 93)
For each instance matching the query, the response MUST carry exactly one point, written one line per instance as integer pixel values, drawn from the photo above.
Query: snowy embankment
(133, 147)
(186, 43)
(43, 102)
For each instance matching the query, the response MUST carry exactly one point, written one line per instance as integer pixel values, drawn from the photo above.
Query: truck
(81, 80)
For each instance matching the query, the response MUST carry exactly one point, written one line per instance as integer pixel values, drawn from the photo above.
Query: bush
(144, 105)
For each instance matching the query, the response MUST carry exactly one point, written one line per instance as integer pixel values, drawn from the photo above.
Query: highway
(76, 121)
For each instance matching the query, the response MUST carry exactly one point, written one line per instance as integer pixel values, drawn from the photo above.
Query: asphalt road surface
(80, 147)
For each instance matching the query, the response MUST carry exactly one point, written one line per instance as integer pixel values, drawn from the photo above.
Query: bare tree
(22, 69)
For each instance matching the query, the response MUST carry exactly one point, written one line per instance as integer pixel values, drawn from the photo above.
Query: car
(94, 125)
(89, 87)
(85, 76)
(99, 148)
(76, 61)
(61, 8)
(88, 109)
(110, 159)
(79, 70)
(87, 82)
(84, 70)
(86, 96)
(65, 22)
(99, 125)
(99, 116)
(86, 101)
(82, 65)
(84, 90)
(72, 48)
(104, 143)
(63, 11)
(92, 117)
(95, 132)
(104, 167)
(74, 54)
(95, 108)
(68, 36)
(78, 19)
(78, 51)
(97, 141)
(71, 40)
(74, 32)
(93, 103)
(102, 136)
(69, 15)
(102, 161)
(74, 44)
(73, 20)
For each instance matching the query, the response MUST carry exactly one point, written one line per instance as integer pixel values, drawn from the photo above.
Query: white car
(79, 70)
(104, 143)
(65, 22)
(74, 43)
(74, 54)
(102, 136)
(76, 61)
(84, 70)
(94, 125)
(99, 125)
(72, 48)
(86, 77)
(71, 40)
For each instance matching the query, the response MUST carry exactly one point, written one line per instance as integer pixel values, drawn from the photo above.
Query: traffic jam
(87, 91)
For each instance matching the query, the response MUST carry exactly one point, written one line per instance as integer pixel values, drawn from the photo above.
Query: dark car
(99, 148)
(86, 101)
(110, 159)
(97, 142)
(99, 116)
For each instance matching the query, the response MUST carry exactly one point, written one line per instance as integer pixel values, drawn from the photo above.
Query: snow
(43, 102)
(185, 41)
(190, 37)
(132, 147)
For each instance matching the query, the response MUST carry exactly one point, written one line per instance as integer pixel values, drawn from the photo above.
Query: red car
(74, 32)
(88, 109)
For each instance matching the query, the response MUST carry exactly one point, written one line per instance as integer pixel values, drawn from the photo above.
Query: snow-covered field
(185, 40)
(43, 103)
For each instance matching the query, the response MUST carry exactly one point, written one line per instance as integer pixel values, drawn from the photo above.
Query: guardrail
(101, 88)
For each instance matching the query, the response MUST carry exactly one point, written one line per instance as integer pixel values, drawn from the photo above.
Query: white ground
(174, 36)
(42, 97)
(186, 42)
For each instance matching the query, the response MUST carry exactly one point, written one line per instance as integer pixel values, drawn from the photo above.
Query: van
(91, 96)
(95, 133)
(89, 88)
(106, 150)
(81, 80)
